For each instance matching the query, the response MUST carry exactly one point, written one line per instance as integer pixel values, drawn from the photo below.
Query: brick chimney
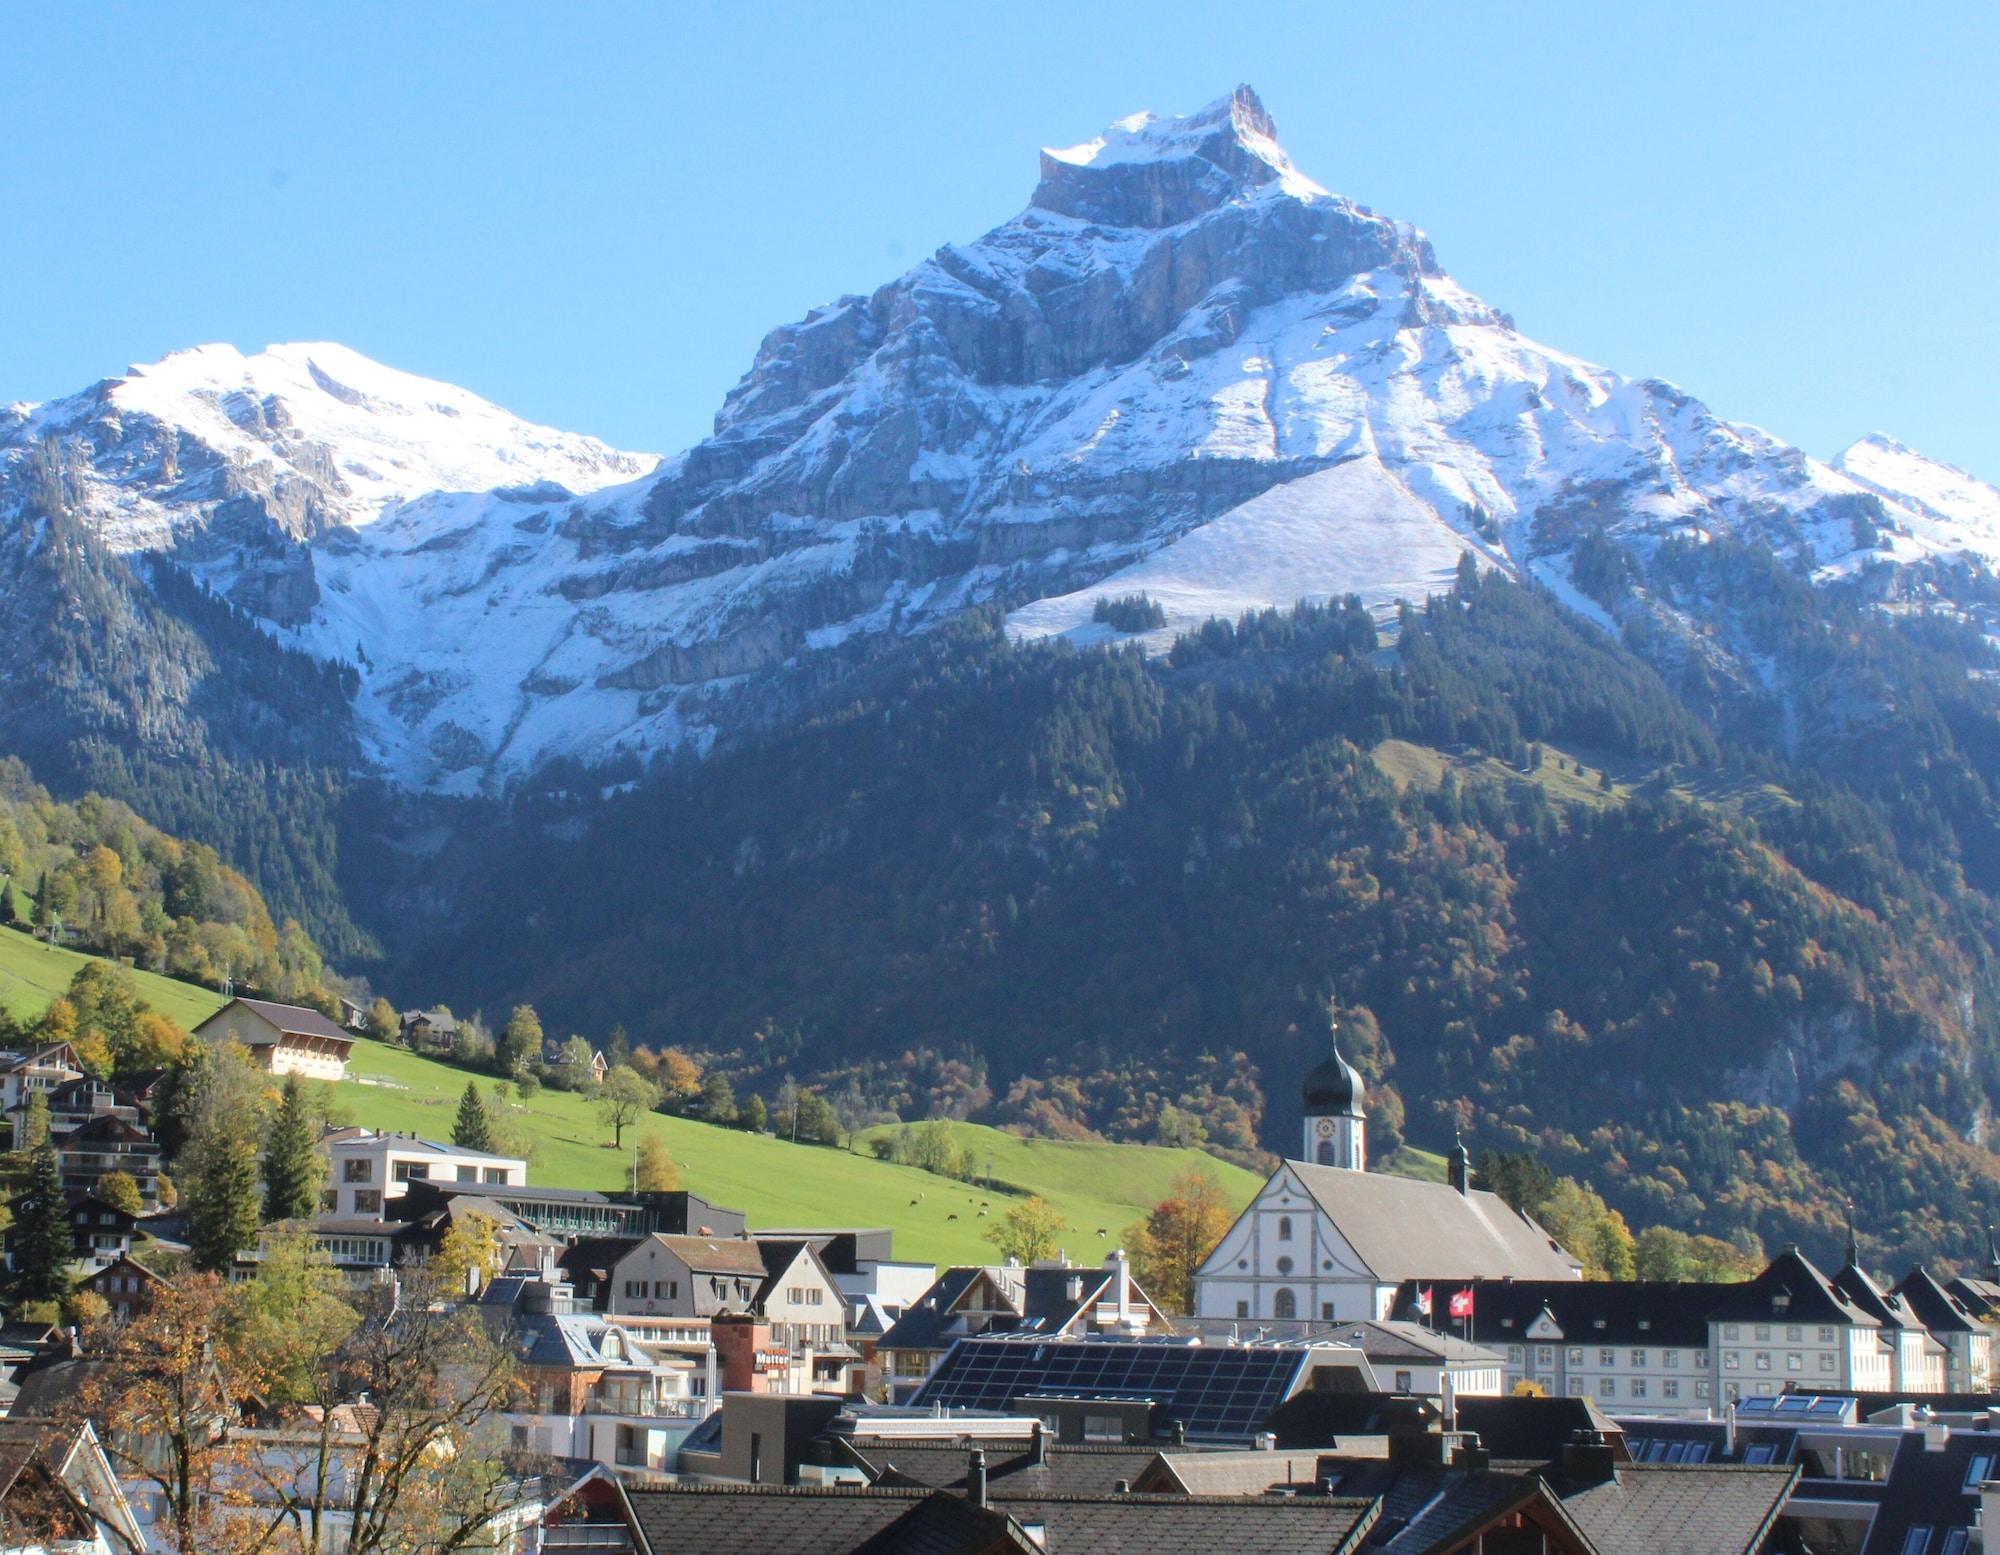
(737, 1338)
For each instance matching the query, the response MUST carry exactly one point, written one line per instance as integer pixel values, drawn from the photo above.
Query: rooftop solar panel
(1218, 1392)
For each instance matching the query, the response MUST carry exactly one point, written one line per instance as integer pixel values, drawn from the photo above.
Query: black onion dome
(1333, 1086)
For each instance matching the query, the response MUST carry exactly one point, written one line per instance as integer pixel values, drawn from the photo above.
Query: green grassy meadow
(32, 973)
(1095, 1186)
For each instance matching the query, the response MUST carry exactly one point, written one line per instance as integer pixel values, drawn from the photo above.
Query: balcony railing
(613, 1537)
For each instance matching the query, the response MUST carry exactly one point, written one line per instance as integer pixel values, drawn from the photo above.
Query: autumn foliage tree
(1180, 1232)
(1029, 1232)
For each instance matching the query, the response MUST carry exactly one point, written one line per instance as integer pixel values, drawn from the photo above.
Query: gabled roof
(294, 1020)
(1926, 1487)
(1012, 1468)
(1400, 1341)
(944, 1524)
(106, 1127)
(1859, 1287)
(1935, 1307)
(928, 1322)
(712, 1255)
(1402, 1229)
(1705, 1509)
(1667, 1313)
(1790, 1290)
(802, 1520)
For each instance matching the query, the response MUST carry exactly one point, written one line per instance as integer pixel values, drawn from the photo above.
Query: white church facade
(1328, 1241)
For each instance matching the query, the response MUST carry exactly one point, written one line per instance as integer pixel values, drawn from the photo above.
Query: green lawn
(778, 1184)
(32, 973)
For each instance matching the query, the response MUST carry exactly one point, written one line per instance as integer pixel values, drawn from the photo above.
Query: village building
(1327, 1241)
(41, 1069)
(557, 1056)
(592, 1388)
(282, 1038)
(429, 1031)
(109, 1142)
(1057, 1300)
(1415, 1358)
(372, 1169)
(124, 1284)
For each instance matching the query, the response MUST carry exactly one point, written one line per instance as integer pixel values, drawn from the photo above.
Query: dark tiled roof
(1011, 1469)
(1856, 1284)
(925, 1322)
(1615, 1312)
(1928, 1488)
(295, 1020)
(1428, 1507)
(1790, 1290)
(1314, 1418)
(757, 1520)
(1935, 1307)
(1713, 1509)
(1534, 1430)
(943, 1524)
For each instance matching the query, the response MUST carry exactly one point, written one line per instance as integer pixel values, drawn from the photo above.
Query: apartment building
(371, 1169)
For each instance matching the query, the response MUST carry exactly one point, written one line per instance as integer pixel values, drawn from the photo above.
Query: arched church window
(1326, 1152)
(1284, 1228)
(1284, 1304)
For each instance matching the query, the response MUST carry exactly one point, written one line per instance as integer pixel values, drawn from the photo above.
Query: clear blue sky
(591, 212)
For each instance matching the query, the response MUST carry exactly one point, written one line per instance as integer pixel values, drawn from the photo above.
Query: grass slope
(1576, 776)
(32, 973)
(781, 1184)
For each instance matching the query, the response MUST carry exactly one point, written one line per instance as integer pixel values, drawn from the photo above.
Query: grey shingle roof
(1789, 1290)
(1404, 1229)
(1010, 1467)
(295, 1020)
(1616, 1312)
(1928, 1488)
(1935, 1307)
(758, 1520)
(1709, 1509)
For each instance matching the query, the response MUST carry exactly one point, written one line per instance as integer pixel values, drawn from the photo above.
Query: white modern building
(370, 1169)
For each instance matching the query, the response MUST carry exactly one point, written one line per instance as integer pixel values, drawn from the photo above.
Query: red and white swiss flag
(1461, 1302)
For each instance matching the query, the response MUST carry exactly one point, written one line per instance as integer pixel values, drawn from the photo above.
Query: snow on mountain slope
(1945, 508)
(1185, 368)
(321, 435)
(1353, 528)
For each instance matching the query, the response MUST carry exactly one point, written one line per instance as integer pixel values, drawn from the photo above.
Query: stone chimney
(975, 1478)
(1588, 1458)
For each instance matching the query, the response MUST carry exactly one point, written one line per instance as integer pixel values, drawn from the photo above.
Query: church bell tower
(1335, 1130)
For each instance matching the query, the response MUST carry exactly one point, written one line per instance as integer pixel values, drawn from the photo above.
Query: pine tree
(34, 1126)
(44, 903)
(221, 1198)
(10, 906)
(291, 1158)
(42, 1246)
(473, 1130)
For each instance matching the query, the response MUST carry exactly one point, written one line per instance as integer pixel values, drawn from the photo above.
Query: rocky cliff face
(1184, 368)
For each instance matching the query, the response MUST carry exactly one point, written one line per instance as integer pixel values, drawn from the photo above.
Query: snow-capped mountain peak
(1146, 170)
(1184, 368)
(318, 434)
(1954, 508)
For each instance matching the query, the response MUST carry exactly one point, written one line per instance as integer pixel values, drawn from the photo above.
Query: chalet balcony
(607, 1538)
